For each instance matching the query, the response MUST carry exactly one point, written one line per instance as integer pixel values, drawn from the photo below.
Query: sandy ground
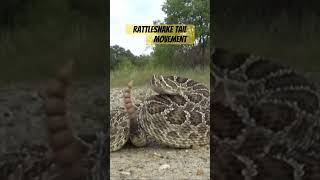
(160, 163)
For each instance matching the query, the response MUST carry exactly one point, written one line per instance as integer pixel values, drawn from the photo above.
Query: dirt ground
(154, 162)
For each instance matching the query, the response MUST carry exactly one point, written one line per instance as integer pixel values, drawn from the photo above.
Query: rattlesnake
(266, 119)
(178, 116)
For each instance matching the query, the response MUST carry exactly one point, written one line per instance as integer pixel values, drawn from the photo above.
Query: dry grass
(291, 43)
(33, 52)
(141, 77)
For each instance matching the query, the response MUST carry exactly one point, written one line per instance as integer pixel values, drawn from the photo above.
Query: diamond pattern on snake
(176, 114)
(266, 119)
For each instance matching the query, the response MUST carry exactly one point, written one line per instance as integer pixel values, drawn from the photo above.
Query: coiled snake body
(177, 116)
(266, 119)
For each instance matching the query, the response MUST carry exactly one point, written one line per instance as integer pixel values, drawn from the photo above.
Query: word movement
(165, 34)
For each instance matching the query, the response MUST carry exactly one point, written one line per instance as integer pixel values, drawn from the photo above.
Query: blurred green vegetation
(288, 31)
(36, 36)
(141, 76)
(165, 59)
(184, 60)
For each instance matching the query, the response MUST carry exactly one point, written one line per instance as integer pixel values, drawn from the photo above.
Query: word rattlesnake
(178, 116)
(267, 119)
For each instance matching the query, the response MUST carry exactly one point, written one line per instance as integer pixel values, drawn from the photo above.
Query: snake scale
(266, 119)
(177, 116)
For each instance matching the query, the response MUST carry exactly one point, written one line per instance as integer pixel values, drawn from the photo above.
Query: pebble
(155, 154)
(125, 173)
(164, 166)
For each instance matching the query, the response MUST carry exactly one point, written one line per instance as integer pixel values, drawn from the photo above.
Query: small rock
(157, 155)
(200, 172)
(164, 166)
(125, 173)
(196, 147)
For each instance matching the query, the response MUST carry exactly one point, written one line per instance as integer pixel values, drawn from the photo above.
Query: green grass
(284, 40)
(140, 77)
(301, 54)
(32, 53)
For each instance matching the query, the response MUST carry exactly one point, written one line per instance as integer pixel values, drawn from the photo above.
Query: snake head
(228, 66)
(166, 84)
